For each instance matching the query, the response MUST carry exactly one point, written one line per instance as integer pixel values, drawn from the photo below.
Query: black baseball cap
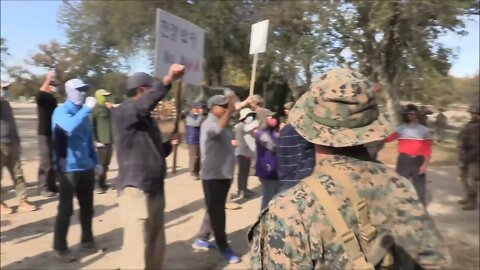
(139, 79)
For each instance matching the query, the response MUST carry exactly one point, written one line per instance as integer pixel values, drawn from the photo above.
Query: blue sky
(25, 24)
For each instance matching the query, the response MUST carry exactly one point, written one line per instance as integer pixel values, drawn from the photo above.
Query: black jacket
(140, 150)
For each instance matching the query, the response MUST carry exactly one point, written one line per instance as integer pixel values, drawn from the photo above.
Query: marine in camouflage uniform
(468, 144)
(339, 114)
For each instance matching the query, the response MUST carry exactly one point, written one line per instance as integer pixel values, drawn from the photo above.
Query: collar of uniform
(329, 160)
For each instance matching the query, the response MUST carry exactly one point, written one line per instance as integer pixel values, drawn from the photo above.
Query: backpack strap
(349, 241)
(360, 206)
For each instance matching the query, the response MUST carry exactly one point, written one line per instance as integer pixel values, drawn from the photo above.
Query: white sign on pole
(178, 41)
(258, 38)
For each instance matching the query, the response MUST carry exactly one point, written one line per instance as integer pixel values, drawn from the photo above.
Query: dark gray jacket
(140, 150)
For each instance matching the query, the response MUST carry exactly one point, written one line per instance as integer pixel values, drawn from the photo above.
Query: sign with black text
(179, 41)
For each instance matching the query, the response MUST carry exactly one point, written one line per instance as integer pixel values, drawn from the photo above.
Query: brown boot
(26, 206)
(463, 201)
(471, 204)
(5, 210)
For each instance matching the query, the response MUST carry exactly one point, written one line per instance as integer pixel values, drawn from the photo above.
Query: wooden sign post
(258, 44)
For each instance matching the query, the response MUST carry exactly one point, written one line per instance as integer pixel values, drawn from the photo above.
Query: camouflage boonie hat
(340, 110)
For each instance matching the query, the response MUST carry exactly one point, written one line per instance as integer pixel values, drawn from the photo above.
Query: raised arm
(69, 123)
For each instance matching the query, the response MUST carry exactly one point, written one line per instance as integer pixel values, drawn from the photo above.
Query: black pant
(243, 172)
(408, 167)
(215, 192)
(104, 157)
(80, 184)
(194, 162)
(46, 173)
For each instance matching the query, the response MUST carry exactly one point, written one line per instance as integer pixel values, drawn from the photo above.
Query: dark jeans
(269, 189)
(215, 192)
(408, 167)
(46, 173)
(81, 185)
(243, 172)
(194, 162)
(104, 157)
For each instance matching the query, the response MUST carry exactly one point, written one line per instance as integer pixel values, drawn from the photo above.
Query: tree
(4, 52)
(396, 42)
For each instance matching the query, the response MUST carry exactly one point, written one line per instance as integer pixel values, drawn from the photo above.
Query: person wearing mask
(192, 137)
(218, 161)
(266, 165)
(46, 104)
(76, 164)
(353, 212)
(142, 167)
(10, 154)
(102, 131)
(414, 148)
(244, 152)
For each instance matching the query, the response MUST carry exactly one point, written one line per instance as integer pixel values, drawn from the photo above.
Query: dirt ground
(26, 238)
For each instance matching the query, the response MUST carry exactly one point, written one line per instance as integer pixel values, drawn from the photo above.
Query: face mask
(249, 119)
(4, 94)
(272, 122)
(54, 89)
(76, 97)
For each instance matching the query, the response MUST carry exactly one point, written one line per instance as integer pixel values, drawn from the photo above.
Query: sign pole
(178, 107)
(254, 72)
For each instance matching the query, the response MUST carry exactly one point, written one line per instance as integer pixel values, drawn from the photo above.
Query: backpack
(377, 249)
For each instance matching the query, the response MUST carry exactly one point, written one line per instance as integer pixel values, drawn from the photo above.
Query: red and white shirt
(413, 139)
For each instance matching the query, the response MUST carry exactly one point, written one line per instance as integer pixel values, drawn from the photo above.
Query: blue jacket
(73, 139)
(192, 128)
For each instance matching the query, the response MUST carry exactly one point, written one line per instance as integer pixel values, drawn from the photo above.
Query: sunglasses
(225, 106)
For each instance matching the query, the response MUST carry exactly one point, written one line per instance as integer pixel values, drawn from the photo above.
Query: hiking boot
(5, 210)
(26, 206)
(470, 206)
(230, 256)
(65, 256)
(232, 206)
(203, 245)
(246, 194)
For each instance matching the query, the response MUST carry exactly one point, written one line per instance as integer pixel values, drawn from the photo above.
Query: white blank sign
(258, 38)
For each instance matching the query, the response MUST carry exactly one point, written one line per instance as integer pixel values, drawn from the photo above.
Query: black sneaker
(89, 247)
(65, 256)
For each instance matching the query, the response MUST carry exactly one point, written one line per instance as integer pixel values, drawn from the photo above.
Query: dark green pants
(79, 184)
(10, 158)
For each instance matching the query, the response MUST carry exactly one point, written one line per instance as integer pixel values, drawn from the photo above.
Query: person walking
(469, 152)
(10, 150)
(266, 166)
(414, 148)
(244, 152)
(193, 122)
(102, 132)
(142, 168)
(353, 212)
(46, 104)
(76, 164)
(218, 161)
(441, 124)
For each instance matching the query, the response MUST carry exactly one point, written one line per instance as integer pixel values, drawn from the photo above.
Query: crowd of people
(327, 202)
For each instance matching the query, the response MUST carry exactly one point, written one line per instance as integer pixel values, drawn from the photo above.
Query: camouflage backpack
(374, 250)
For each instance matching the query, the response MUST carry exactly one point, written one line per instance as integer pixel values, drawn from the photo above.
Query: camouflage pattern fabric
(468, 142)
(293, 232)
(340, 110)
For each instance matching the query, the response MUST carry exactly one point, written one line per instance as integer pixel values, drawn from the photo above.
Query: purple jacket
(266, 165)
